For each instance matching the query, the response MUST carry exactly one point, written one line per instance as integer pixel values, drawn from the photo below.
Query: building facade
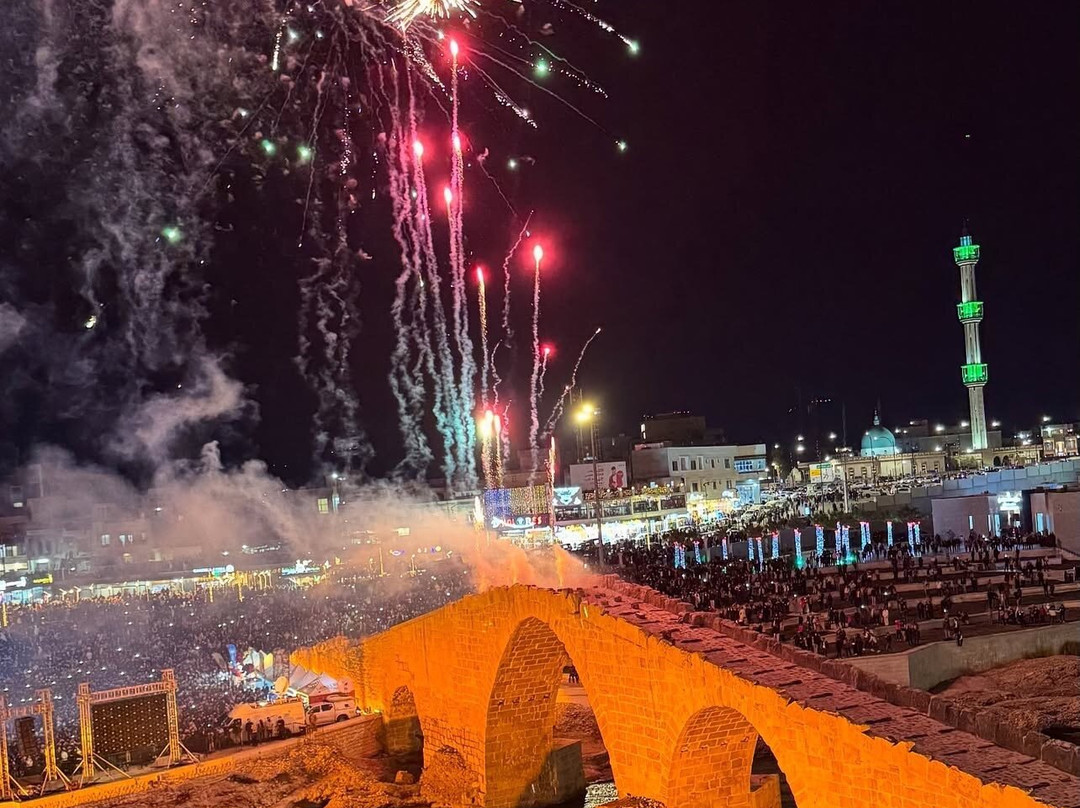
(1059, 440)
(706, 470)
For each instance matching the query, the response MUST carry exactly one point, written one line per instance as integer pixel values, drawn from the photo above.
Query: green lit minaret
(970, 312)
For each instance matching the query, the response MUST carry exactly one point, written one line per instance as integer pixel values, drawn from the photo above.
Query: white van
(332, 710)
(291, 711)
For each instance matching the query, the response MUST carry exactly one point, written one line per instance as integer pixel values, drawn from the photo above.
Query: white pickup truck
(332, 710)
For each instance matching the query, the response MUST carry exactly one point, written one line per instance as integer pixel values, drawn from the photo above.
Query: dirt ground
(1032, 694)
(574, 719)
(320, 773)
(330, 772)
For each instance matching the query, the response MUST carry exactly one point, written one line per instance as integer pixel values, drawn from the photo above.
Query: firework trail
(466, 443)
(502, 444)
(188, 124)
(534, 418)
(482, 298)
(546, 354)
(440, 361)
(507, 331)
(412, 351)
(557, 411)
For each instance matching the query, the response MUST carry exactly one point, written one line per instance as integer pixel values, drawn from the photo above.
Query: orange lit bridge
(680, 705)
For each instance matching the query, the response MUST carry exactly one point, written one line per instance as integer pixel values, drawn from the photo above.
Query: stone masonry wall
(484, 670)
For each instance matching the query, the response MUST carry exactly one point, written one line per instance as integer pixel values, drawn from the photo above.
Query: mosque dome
(878, 441)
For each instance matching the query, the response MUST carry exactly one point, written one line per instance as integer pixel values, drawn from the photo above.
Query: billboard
(612, 475)
(822, 473)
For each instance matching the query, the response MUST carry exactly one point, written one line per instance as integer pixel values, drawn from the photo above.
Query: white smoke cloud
(11, 325)
(151, 429)
(207, 513)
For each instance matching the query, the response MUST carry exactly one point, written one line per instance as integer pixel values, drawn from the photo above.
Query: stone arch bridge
(679, 706)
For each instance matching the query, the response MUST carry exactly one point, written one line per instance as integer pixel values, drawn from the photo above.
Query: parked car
(332, 710)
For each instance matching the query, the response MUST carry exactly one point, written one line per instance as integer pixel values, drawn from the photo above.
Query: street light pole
(596, 492)
(589, 413)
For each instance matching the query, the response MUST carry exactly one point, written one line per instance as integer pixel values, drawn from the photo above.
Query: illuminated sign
(568, 496)
(300, 568)
(750, 465)
(228, 569)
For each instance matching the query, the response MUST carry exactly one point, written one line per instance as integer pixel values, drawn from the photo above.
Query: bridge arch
(521, 714)
(711, 761)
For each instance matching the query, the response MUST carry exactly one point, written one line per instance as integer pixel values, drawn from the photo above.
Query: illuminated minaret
(970, 311)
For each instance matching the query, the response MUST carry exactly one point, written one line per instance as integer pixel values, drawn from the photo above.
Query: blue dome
(878, 441)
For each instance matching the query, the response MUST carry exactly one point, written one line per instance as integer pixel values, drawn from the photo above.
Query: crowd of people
(854, 608)
(120, 641)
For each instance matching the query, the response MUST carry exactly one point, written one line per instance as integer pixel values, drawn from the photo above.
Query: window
(701, 462)
(106, 539)
(693, 465)
(324, 505)
(971, 523)
(1040, 522)
(674, 465)
(714, 485)
(682, 463)
(728, 486)
(727, 462)
(693, 486)
(712, 462)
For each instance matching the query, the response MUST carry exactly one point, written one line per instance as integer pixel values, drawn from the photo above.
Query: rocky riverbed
(1032, 694)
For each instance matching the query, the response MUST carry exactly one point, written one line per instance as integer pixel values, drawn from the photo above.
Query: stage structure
(51, 773)
(128, 721)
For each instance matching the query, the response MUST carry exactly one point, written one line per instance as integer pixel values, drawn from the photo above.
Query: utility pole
(596, 493)
(590, 413)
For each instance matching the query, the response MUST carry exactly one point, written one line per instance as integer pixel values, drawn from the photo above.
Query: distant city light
(1046, 419)
(995, 424)
(939, 428)
(832, 436)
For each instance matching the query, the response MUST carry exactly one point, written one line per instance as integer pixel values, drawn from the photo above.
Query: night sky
(779, 230)
(781, 225)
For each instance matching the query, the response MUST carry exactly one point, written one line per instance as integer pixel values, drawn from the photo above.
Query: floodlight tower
(970, 312)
